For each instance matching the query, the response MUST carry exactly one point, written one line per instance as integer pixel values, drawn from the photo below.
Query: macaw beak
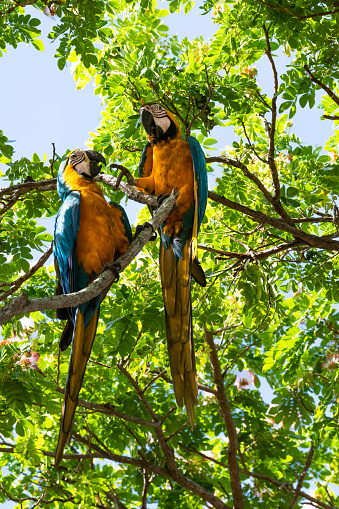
(154, 131)
(147, 121)
(96, 162)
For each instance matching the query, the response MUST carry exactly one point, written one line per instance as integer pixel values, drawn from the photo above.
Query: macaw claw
(161, 198)
(114, 267)
(140, 227)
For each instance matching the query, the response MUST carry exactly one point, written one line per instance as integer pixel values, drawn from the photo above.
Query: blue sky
(42, 104)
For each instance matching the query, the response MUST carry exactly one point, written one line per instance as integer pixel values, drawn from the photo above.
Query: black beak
(148, 122)
(96, 161)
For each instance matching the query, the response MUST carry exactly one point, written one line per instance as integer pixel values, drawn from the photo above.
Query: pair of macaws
(90, 233)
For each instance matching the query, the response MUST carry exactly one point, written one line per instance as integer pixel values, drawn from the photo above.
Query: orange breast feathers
(101, 234)
(172, 167)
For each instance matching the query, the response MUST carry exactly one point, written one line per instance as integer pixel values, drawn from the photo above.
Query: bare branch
(53, 160)
(260, 217)
(288, 246)
(302, 477)
(251, 145)
(200, 386)
(271, 150)
(22, 305)
(111, 495)
(329, 92)
(238, 501)
(107, 408)
(331, 117)
(18, 282)
(210, 88)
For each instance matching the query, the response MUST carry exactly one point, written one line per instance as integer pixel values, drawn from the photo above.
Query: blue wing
(124, 220)
(200, 173)
(66, 230)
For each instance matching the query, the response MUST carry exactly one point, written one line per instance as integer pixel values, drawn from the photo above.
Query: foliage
(268, 249)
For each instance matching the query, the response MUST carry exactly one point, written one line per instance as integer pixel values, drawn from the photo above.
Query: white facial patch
(79, 160)
(159, 115)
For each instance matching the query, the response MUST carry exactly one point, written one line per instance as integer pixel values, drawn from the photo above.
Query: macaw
(89, 233)
(170, 161)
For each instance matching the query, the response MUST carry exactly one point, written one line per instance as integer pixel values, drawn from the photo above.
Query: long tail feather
(176, 287)
(81, 350)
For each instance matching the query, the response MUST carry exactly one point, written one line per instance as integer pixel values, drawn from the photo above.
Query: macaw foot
(161, 198)
(123, 172)
(140, 227)
(114, 267)
(173, 228)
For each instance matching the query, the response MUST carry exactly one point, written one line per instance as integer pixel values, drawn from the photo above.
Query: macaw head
(159, 123)
(86, 163)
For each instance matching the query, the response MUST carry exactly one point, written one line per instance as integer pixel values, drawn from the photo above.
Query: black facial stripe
(158, 111)
(77, 158)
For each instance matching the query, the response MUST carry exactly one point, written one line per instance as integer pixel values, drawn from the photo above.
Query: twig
(53, 160)
(331, 117)
(210, 88)
(153, 380)
(177, 431)
(251, 145)
(329, 92)
(18, 282)
(302, 477)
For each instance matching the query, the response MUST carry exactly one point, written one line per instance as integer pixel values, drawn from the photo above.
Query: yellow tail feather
(81, 350)
(176, 287)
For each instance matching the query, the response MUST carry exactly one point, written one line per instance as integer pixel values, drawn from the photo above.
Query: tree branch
(271, 150)
(21, 304)
(238, 501)
(107, 408)
(18, 282)
(288, 246)
(302, 477)
(260, 217)
(264, 477)
(317, 14)
(329, 92)
(210, 88)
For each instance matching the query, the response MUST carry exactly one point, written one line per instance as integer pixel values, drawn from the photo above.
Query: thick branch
(51, 185)
(175, 473)
(260, 217)
(21, 304)
(16, 284)
(281, 485)
(238, 501)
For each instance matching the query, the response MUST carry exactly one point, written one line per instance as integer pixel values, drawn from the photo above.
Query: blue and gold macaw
(89, 233)
(169, 161)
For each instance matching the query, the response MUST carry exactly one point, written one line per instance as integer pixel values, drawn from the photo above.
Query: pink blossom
(33, 360)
